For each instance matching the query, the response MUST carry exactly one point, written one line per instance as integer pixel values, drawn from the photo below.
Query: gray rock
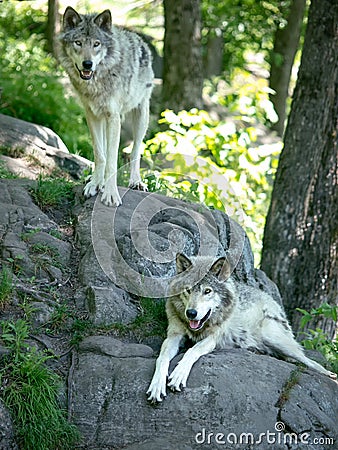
(229, 392)
(41, 313)
(23, 139)
(22, 225)
(136, 244)
(61, 250)
(231, 395)
(109, 304)
(7, 441)
(105, 302)
(232, 392)
(107, 345)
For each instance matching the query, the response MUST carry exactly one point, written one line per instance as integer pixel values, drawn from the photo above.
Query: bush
(317, 339)
(216, 163)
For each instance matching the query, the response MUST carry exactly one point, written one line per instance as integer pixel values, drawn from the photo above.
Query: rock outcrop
(29, 150)
(234, 398)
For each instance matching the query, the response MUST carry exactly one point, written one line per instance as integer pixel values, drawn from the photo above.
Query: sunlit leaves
(218, 163)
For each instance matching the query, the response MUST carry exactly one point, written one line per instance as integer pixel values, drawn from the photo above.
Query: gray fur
(119, 83)
(227, 313)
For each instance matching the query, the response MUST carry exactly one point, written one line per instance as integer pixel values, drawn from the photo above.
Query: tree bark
(301, 232)
(182, 71)
(53, 25)
(286, 44)
(213, 61)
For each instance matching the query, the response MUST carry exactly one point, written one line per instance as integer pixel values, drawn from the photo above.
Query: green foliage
(6, 287)
(32, 84)
(80, 328)
(317, 339)
(151, 321)
(5, 173)
(29, 390)
(26, 235)
(288, 387)
(245, 25)
(51, 192)
(245, 96)
(217, 163)
(229, 170)
(43, 255)
(15, 263)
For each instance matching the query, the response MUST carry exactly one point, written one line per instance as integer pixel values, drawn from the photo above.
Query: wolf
(111, 71)
(216, 313)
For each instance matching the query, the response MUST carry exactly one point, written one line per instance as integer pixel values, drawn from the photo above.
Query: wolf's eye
(78, 43)
(97, 44)
(207, 291)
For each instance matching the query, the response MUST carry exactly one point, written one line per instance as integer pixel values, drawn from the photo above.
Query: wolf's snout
(87, 64)
(86, 72)
(191, 313)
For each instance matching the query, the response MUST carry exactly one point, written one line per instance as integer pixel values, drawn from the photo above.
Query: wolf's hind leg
(140, 121)
(278, 336)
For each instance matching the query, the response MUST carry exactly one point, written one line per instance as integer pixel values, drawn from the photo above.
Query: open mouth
(85, 74)
(196, 325)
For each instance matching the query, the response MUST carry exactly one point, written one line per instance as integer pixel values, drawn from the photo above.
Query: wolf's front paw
(94, 185)
(157, 390)
(111, 198)
(178, 377)
(110, 193)
(138, 186)
(91, 189)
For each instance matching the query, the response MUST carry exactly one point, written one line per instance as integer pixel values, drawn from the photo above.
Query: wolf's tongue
(194, 324)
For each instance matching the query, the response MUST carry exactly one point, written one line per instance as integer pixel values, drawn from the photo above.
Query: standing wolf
(219, 312)
(110, 68)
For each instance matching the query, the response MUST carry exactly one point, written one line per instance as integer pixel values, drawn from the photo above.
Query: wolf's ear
(221, 269)
(104, 20)
(70, 18)
(182, 263)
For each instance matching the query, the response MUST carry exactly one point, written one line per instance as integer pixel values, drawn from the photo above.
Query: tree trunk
(182, 71)
(213, 61)
(301, 232)
(53, 25)
(284, 51)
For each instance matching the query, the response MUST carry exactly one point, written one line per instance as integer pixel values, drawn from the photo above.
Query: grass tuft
(6, 287)
(151, 321)
(30, 390)
(50, 193)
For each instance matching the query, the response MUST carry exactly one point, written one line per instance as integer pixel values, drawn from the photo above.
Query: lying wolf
(219, 312)
(111, 70)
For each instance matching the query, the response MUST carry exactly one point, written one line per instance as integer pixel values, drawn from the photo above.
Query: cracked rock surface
(228, 393)
(235, 399)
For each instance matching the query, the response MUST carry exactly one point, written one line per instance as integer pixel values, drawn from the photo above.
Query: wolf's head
(211, 300)
(84, 38)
